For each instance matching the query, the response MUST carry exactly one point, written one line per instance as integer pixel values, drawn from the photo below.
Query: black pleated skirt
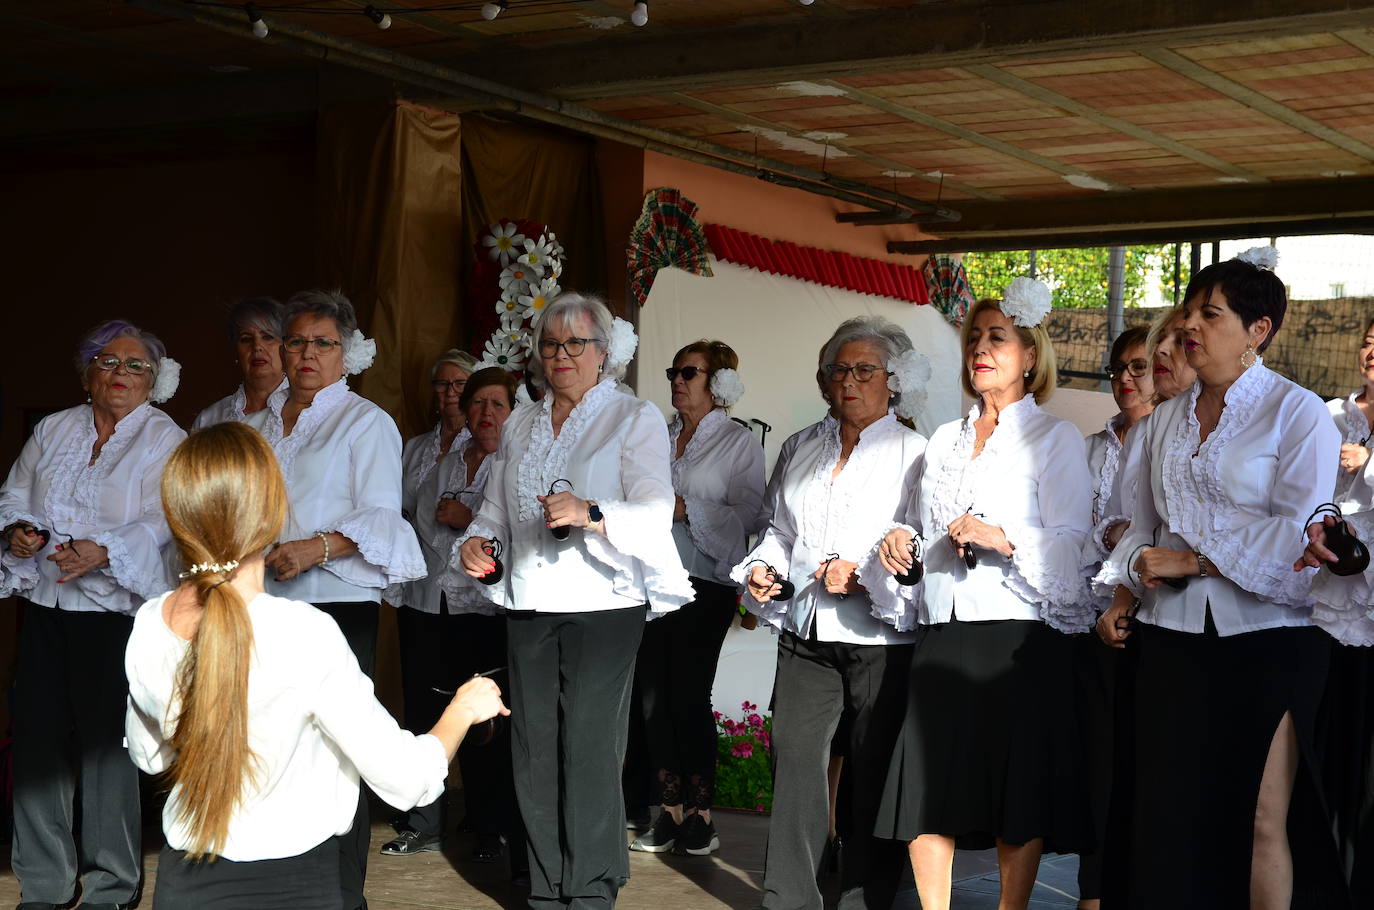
(1206, 710)
(309, 881)
(990, 748)
(1346, 736)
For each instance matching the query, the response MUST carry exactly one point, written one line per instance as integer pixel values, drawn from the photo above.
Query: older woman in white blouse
(345, 539)
(987, 756)
(594, 461)
(718, 482)
(837, 660)
(449, 628)
(1230, 666)
(83, 532)
(255, 328)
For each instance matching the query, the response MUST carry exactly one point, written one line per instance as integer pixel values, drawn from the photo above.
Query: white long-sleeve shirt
(720, 480)
(342, 464)
(228, 408)
(1241, 498)
(1031, 480)
(613, 448)
(1354, 492)
(117, 502)
(815, 515)
(314, 726)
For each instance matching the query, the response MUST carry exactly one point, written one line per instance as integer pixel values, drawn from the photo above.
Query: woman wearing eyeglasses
(345, 539)
(255, 330)
(1231, 666)
(449, 628)
(839, 664)
(988, 756)
(580, 499)
(83, 534)
(718, 487)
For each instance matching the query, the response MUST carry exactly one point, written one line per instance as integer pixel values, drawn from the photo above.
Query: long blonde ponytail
(225, 500)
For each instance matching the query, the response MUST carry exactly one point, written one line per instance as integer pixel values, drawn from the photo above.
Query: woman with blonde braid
(262, 740)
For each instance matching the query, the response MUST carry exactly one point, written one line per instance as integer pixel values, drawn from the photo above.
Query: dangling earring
(1249, 358)
(1026, 374)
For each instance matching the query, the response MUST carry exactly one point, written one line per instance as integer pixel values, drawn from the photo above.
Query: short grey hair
(329, 304)
(94, 341)
(887, 335)
(461, 359)
(262, 313)
(563, 312)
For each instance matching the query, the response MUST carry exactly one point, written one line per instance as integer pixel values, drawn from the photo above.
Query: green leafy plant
(1078, 277)
(744, 778)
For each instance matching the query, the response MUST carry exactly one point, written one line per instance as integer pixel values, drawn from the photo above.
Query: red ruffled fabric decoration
(836, 270)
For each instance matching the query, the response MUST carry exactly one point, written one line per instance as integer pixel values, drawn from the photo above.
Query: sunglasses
(687, 373)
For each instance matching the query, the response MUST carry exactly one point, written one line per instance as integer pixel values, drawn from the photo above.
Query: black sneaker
(410, 842)
(697, 837)
(659, 838)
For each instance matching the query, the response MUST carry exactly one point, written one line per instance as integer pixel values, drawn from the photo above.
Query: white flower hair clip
(168, 378)
(1027, 302)
(726, 387)
(359, 354)
(202, 568)
(620, 347)
(910, 377)
(1261, 257)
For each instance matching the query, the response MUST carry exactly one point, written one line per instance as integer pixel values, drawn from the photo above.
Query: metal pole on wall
(1032, 264)
(1116, 300)
(1178, 271)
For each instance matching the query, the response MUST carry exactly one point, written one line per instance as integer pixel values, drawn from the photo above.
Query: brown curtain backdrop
(390, 219)
(515, 171)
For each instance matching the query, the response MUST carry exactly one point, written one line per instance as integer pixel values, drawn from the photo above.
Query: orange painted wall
(776, 212)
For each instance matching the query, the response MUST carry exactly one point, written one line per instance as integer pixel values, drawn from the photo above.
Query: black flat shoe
(410, 842)
(487, 848)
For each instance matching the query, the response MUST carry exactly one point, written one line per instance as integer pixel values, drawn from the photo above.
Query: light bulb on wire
(806, 2)
(491, 10)
(640, 16)
(381, 20)
(255, 20)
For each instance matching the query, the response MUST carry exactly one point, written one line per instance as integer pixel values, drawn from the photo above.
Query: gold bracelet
(324, 538)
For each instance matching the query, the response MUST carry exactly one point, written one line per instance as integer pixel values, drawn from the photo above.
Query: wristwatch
(593, 514)
(1204, 565)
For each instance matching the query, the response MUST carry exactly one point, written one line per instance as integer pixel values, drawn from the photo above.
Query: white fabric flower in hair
(726, 387)
(620, 347)
(1027, 302)
(1261, 257)
(910, 378)
(168, 378)
(358, 353)
(504, 241)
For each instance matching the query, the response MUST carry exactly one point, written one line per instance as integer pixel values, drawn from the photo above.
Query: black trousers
(570, 698)
(1095, 672)
(69, 699)
(441, 651)
(358, 622)
(817, 684)
(309, 881)
(675, 671)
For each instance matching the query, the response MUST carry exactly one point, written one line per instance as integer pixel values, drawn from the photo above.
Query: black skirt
(1206, 710)
(1346, 735)
(308, 881)
(989, 749)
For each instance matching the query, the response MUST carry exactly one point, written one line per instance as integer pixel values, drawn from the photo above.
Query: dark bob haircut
(1251, 291)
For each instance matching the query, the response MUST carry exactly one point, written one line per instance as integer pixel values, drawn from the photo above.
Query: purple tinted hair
(94, 341)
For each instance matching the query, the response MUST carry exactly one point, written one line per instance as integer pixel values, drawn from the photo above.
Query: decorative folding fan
(667, 233)
(949, 288)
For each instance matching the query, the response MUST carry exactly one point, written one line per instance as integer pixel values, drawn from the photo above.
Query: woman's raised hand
(476, 562)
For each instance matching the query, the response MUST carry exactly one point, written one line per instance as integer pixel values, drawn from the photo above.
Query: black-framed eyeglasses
(688, 373)
(863, 372)
(453, 385)
(296, 343)
(1138, 367)
(573, 347)
(134, 366)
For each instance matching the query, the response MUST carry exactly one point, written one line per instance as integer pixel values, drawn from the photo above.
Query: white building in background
(1318, 268)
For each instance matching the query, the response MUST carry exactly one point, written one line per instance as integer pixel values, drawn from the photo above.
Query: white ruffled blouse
(314, 726)
(815, 516)
(117, 502)
(1032, 481)
(342, 464)
(613, 448)
(1354, 492)
(720, 479)
(228, 408)
(1242, 498)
